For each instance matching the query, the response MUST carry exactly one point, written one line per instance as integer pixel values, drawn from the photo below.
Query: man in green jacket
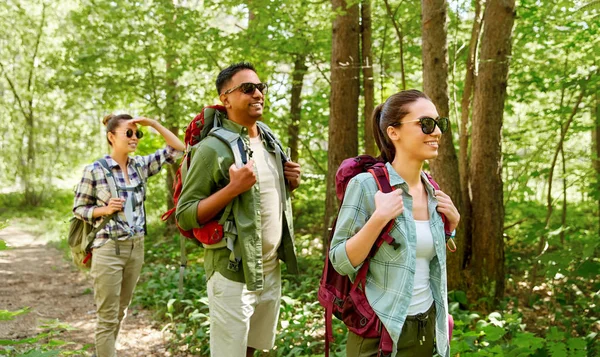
(244, 296)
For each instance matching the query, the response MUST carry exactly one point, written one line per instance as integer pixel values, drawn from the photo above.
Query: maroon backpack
(337, 294)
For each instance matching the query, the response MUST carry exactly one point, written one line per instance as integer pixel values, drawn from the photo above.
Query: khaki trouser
(240, 318)
(115, 277)
(416, 339)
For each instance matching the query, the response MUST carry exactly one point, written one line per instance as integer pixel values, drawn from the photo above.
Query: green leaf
(555, 335)
(6, 315)
(461, 297)
(576, 344)
(493, 333)
(38, 353)
(557, 349)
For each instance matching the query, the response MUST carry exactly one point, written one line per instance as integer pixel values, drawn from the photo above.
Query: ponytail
(381, 139)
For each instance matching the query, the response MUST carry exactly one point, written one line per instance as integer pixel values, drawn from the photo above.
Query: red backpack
(210, 235)
(207, 123)
(337, 294)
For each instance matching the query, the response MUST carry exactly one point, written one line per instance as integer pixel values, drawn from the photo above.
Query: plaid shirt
(391, 272)
(93, 191)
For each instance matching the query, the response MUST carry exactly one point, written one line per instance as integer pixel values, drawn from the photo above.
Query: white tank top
(422, 298)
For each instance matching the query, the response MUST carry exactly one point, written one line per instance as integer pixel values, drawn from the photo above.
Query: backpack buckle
(234, 265)
(338, 302)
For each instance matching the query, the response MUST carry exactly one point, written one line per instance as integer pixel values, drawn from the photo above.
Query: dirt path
(36, 276)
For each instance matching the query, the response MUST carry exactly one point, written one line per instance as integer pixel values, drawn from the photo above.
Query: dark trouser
(417, 338)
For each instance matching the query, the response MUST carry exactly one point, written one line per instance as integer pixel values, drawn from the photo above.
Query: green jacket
(208, 173)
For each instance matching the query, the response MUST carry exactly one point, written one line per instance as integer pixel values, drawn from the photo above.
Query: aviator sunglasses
(249, 88)
(428, 124)
(138, 133)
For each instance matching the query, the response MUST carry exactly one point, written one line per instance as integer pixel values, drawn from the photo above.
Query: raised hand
(144, 121)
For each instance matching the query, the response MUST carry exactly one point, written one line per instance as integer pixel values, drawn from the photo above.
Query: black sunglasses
(249, 88)
(138, 133)
(428, 124)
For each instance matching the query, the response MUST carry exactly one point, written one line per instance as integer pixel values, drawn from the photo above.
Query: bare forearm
(101, 211)
(210, 206)
(358, 247)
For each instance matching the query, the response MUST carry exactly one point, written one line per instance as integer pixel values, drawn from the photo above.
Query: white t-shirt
(422, 297)
(271, 210)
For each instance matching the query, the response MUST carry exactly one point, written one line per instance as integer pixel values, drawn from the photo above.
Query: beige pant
(240, 318)
(115, 277)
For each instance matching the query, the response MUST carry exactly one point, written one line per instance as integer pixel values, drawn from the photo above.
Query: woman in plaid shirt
(118, 250)
(405, 286)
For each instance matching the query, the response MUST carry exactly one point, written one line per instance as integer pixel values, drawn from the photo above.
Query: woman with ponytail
(406, 287)
(114, 186)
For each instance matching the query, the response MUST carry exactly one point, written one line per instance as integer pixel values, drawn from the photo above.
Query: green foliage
(54, 212)
(505, 335)
(6, 315)
(41, 345)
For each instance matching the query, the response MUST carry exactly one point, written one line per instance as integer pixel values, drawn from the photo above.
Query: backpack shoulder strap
(273, 139)
(234, 141)
(138, 169)
(110, 178)
(447, 231)
(382, 178)
(92, 235)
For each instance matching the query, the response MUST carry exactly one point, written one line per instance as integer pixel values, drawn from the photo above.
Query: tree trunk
(32, 196)
(368, 80)
(343, 117)
(435, 85)
(563, 219)
(486, 162)
(466, 215)
(597, 150)
(296, 105)
(400, 36)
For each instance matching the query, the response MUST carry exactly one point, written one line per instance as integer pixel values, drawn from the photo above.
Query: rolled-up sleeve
(351, 218)
(153, 162)
(85, 199)
(201, 181)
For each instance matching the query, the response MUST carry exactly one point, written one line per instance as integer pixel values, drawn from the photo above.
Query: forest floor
(36, 275)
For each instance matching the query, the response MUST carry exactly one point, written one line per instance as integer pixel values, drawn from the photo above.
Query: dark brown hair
(390, 113)
(228, 73)
(112, 122)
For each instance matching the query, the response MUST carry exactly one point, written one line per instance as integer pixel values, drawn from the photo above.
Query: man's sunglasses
(249, 88)
(138, 133)
(428, 124)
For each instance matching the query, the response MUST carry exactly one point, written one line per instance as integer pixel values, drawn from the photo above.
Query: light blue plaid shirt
(391, 272)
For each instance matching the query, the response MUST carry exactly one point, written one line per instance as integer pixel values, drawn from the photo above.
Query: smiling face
(119, 140)
(408, 137)
(243, 107)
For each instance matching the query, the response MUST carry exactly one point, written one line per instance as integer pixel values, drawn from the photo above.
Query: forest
(519, 80)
